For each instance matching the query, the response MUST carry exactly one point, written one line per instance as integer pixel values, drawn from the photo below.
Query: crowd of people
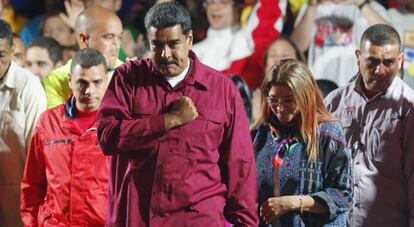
(207, 113)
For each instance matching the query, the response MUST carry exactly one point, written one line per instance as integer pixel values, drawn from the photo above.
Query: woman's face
(279, 50)
(283, 104)
(56, 28)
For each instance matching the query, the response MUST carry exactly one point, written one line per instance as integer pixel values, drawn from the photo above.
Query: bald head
(101, 29)
(93, 16)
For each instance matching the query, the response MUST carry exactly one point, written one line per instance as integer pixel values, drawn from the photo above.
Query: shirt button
(356, 184)
(357, 163)
(155, 192)
(356, 205)
(160, 166)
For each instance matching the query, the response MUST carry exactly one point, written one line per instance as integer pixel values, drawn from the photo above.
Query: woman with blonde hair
(303, 166)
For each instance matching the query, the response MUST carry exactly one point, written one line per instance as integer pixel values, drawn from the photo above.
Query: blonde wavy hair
(312, 111)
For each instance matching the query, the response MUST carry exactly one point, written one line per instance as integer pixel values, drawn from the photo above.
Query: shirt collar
(196, 72)
(70, 108)
(357, 86)
(9, 79)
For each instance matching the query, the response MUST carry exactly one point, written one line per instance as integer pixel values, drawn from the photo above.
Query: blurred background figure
(54, 27)
(18, 50)
(326, 86)
(245, 93)
(329, 30)
(281, 48)
(43, 55)
(402, 18)
(233, 49)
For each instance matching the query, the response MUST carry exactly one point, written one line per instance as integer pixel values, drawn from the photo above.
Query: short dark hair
(168, 14)
(245, 93)
(87, 58)
(380, 35)
(6, 32)
(52, 47)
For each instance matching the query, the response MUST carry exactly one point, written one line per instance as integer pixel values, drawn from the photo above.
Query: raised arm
(301, 33)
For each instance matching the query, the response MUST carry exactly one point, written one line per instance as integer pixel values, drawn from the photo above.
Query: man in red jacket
(65, 180)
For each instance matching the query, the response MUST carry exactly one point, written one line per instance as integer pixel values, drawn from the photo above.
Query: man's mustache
(164, 61)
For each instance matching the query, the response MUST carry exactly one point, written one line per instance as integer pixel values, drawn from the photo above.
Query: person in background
(377, 113)
(303, 167)
(22, 99)
(239, 50)
(43, 55)
(18, 50)
(54, 27)
(97, 28)
(177, 133)
(245, 93)
(281, 48)
(326, 86)
(402, 18)
(65, 181)
(329, 30)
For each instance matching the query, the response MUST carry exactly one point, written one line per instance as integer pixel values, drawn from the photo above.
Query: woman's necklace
(284, 146)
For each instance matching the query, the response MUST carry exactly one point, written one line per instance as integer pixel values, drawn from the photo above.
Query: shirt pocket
(386, 137)
(12, 130)
(205, 133)
(12, 147)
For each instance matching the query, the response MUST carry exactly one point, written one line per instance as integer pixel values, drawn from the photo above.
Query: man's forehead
(171, 29)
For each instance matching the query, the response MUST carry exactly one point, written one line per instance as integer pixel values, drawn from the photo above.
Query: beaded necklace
(284, 146)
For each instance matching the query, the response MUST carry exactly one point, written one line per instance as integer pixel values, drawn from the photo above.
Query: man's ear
(117, 5)
(358, 55)
(70, 80)
(401, 61)
(58, 64)
(83, 40)
(190, 39)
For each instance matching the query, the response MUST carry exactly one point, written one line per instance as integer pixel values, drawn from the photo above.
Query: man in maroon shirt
(177, 133)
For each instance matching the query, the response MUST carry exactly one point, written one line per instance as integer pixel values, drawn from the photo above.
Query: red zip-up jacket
(65, 181)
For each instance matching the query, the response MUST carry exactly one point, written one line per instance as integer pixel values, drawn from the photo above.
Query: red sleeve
(238, 168)
(268, 17)
(118, 130)
(33, 185)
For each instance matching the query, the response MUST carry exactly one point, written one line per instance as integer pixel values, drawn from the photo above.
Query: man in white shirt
(22, 99)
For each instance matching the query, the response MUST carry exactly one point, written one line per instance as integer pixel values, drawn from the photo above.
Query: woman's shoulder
(331, 129)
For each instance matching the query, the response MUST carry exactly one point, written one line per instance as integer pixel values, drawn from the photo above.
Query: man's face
(5, 56)
(220, 13)
(18, 51)
(57, 29)
(88, 86)
(38, 61)
(169, 49)
(379, 65)
(106, 37)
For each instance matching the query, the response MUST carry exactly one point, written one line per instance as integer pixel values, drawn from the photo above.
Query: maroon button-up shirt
(192, 175)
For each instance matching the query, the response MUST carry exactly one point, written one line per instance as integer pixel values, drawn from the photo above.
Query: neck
(369, 93)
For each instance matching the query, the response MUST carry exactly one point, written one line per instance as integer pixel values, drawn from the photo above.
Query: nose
(117, 42)
(34, 69)
(88, 90)
(166, 52)
(279, 106)
(379, 70)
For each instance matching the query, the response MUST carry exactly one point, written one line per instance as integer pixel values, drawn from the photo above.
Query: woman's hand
(277, 206)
